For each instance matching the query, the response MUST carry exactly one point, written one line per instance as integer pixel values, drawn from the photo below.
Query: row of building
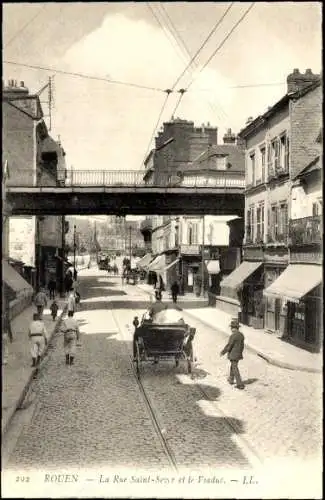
(33, 249)
(267, 265)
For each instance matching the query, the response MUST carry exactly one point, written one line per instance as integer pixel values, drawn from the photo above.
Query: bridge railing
(129, 178)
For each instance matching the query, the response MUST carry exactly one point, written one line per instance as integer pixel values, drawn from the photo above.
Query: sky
(105, 126)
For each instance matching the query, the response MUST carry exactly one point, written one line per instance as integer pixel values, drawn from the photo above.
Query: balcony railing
(274, 237)
(305, 231)
(130, 178)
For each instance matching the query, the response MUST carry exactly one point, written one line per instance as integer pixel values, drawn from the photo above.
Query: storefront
(241, 291)
(298, 293)
(275, 307)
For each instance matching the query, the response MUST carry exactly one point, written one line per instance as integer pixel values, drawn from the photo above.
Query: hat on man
(234, 323)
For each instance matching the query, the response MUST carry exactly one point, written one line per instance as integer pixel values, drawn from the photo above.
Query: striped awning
(295, 282)
(158, 264)
(144, 261)
(13, 279)
(240, 274)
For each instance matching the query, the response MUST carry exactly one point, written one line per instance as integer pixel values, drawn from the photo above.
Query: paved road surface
(93, 414)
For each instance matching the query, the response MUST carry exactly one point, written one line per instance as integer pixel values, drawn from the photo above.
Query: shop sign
(190, 249)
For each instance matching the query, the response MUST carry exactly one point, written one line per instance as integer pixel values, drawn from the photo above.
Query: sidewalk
(268, 346)
(18, 372)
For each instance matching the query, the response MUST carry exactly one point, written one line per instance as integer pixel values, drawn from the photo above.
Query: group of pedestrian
(37, 331)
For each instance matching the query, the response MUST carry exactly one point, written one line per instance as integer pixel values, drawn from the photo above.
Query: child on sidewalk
(54, 309)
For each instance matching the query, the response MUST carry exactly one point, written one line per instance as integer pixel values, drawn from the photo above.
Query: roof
(313, 166)
(252, 126)
(235, 157)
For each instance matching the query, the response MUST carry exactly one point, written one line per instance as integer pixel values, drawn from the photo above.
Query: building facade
(279, 144)
(31, 156)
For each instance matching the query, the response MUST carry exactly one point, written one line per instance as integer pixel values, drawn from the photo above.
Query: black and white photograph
(162, 291)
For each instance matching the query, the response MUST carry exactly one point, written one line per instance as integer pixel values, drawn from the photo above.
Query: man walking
(175, 291)
(234, 348)
(38, 336)
(70, 328)
(52, 288)
(40, 302)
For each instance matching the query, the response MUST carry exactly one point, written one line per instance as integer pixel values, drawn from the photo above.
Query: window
(248, 229)
(192, 233)
(317, 208)
(274, 219)
(260, 223)
(283, 222)
(263, 160)
(221, 162)
(270, 168)
(252, 166)
(276, 154)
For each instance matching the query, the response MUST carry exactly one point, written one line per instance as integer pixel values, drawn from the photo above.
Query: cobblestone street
(93, 414)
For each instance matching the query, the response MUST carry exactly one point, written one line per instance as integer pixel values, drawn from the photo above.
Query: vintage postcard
(162, 250)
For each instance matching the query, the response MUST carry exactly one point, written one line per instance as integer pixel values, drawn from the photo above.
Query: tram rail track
(152, 413)
(253, 456)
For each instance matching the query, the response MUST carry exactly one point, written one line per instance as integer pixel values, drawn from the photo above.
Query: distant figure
(40, 302)
(234, 348)
(71, 332)
(52, 288)
(54, 309)
(175, 291)
(38, 335)
(68, 282)
(71, 301)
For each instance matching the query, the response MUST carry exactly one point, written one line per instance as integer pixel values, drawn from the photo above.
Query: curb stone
(268, 359)
(31, 376)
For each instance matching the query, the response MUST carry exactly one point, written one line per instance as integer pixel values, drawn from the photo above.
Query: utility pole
(74, 247)
(62, 255)
(202, 254)
(130, 242)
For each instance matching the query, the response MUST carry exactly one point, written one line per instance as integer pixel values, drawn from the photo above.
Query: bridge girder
(160, 202)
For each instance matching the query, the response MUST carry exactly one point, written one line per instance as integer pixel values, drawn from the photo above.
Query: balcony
(305, 231)
(274, 238)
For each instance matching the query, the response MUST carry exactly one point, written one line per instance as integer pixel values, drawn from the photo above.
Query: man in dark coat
(234, 348)
(175, 291)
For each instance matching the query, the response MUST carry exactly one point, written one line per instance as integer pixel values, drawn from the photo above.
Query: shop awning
(213, 266)
(295, 282)
(145, 261)
(170, 265)
(240, 274)
(13, 279)
(158, 264)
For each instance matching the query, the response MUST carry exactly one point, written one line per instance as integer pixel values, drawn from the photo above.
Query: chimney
(203, 128)
(13, 89)
(229, 137)
(249, 120)
(298, 81)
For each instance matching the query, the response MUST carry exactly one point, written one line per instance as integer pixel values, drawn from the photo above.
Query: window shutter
(269, 160)
(286, 157)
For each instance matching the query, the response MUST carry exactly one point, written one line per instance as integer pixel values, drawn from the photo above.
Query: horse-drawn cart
(154, 342)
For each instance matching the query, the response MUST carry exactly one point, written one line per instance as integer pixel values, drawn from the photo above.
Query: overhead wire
(221, 44)
(84, 75)
(240, 20)
(25, 26)
(193, 62)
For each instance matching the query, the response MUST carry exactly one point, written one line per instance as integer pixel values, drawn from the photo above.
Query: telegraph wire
(25, 26)
(225, 39)
(163, 27)
(204, 43)
(214, 106)
(221, 44)
(83, 75)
